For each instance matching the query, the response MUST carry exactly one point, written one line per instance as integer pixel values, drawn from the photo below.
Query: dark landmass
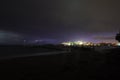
(76, 63)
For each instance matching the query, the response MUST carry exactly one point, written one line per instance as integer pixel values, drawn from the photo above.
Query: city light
(75, 43)
(67, 43)
(83, 43)
(118, 44)
(79, 42)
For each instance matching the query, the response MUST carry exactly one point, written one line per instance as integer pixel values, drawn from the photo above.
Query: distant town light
(66, 43)
(118, 44)
(79, 42)
(82, 43)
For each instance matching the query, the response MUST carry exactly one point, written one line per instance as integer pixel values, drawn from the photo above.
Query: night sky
(60, 20)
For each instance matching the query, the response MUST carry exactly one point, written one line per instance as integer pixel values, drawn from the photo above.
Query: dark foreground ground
(77, 64)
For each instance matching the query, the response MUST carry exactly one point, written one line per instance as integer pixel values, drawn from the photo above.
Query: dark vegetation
(78, 63)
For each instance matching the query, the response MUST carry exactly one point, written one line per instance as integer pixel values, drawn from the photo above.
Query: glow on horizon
(118, 44)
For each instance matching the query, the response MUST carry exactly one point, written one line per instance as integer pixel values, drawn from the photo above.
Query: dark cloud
(60, 19)
(9, 37)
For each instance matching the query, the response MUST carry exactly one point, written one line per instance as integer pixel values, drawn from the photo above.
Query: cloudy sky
(61, 20)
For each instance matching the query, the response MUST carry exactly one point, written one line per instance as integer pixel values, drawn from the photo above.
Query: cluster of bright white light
(74, 43)
(82, 43)
(66, 43)
(118, 44)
